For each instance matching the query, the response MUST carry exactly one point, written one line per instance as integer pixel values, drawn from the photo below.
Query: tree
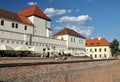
(115, 47)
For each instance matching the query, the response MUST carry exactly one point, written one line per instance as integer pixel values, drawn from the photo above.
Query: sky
(91, 18)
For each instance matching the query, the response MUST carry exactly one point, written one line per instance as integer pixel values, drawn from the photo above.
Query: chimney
(92, 38)
(99, 38)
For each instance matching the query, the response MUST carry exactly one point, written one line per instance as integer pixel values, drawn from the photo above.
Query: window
(17, 42)
(105, 49)
(105, 56)
(90, 50)
(71, 39)
(7, 41)
(74, 39)
(2, 41)
(81, 41)
(91, 56)
(16, 25)
(100, 49)
(13, 25)
(25, 27)
(100, 55)
(95, 56)
(12, 41)
(26, 43)
(95, 50)
(21, 42)
(2, 22)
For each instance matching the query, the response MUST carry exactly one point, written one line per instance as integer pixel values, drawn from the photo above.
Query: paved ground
(98, 71)
(6, 60)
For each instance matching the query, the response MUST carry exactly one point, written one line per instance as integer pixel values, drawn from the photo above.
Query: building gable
(67, 31)
(34, 10)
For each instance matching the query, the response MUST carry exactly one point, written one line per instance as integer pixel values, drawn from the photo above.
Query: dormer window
(92, 43)
(98, 43)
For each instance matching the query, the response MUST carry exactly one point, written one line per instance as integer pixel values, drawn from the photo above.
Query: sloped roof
(97, 42)
(13, 16)
(69, 32)
(34, 10)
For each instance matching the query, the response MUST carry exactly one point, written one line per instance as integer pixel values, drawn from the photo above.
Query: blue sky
(91, 18)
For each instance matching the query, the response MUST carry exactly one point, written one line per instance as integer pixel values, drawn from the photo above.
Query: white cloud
(69, 11)
(81, 18)
(50, 0)
(51, 12)
(77, 10)
(32, 3)
(76, 23)
(90, 0)
(86, 31)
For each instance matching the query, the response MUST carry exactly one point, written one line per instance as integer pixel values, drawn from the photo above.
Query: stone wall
(97, 71)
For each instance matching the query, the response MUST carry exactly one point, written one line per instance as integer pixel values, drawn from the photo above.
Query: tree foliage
(115, 47)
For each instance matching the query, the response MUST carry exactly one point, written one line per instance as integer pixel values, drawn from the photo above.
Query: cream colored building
(98, 48)
(31, 28)
(75, 43)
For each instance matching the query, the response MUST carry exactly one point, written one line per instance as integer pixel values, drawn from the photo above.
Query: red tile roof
(34, 10)
(69, 32)
(13, 16)
(97, 42)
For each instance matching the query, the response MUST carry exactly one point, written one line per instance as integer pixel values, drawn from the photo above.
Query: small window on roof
(98, 43)
(92, 43)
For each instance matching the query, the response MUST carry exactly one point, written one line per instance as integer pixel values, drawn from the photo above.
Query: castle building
(31, 28)
(98, 48)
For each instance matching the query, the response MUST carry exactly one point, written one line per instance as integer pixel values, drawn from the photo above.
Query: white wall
(75, 48)
(21, 27)
(99, 54)
(39, 25)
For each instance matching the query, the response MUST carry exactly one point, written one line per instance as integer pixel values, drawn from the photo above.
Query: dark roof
(13, 16)
(97, 42)
(69, 32)
(34, 10)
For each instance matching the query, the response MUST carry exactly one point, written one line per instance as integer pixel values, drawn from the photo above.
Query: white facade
(75, 45)
(99, 52)
(98, 48)
(38, 35)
